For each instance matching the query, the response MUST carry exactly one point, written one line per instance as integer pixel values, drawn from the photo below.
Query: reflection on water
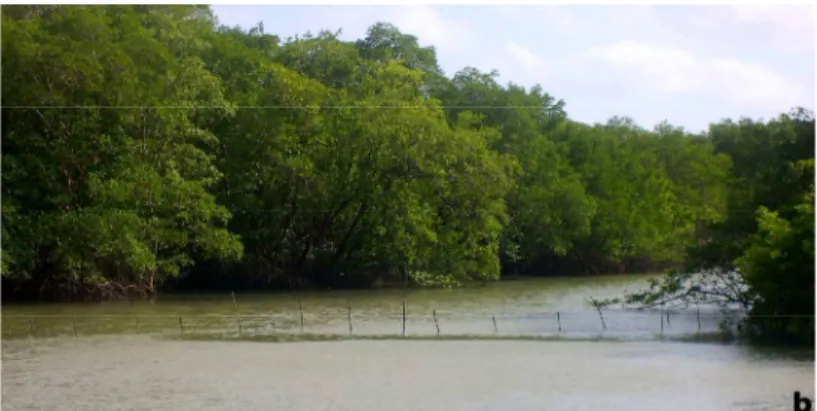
(97, 373)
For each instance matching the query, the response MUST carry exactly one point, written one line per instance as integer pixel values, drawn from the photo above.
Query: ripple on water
(145, 373)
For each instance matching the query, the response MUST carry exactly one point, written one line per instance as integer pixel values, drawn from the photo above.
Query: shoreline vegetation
(149, 149)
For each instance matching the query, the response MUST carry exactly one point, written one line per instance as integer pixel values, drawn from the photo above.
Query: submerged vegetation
(149, 147)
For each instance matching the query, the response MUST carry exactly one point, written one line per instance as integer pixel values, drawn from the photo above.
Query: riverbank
(19, 293)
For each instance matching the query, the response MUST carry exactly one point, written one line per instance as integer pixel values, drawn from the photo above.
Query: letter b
(801, 403)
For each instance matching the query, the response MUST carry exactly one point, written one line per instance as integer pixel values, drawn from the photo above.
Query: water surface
(127, 356)
(141, 373)
(521, 307)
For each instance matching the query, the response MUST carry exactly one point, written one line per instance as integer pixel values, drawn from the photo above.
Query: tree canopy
(759, 256)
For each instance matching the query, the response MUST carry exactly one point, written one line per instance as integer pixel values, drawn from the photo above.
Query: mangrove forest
(150, 148)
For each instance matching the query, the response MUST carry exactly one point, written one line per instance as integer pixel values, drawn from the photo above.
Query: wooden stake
(404, 316)
(598, 306)
(662, 322)
(350, 319)
(436, 324)
(603, 324)
(559, 319)
(235, 309)
(496, 329)
(30, 327)
(668, 324)
(698, 315)
(405, 294)
(181, 326)
(301, 310)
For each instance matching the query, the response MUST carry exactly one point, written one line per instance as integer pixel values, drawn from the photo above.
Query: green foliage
(106, 200)
(759, 256)
(779, 266)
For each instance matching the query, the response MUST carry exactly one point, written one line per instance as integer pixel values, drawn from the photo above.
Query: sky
(689, 65)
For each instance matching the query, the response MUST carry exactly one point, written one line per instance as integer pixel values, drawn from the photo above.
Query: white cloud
(659, 69)
(431, 28)
(788, 26)
(795, 17)
(756, 84)
(607, 22)
(562, 19)
(527, 61)
(639, 22)
(663, 70)
(507, 10)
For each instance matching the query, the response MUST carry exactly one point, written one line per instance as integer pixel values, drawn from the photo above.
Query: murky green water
(523, 307)
(115, 356)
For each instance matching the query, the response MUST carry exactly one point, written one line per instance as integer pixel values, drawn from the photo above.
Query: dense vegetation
(148, 147)
(760, 256)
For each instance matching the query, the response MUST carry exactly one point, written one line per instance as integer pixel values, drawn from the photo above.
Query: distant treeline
(149, 148)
